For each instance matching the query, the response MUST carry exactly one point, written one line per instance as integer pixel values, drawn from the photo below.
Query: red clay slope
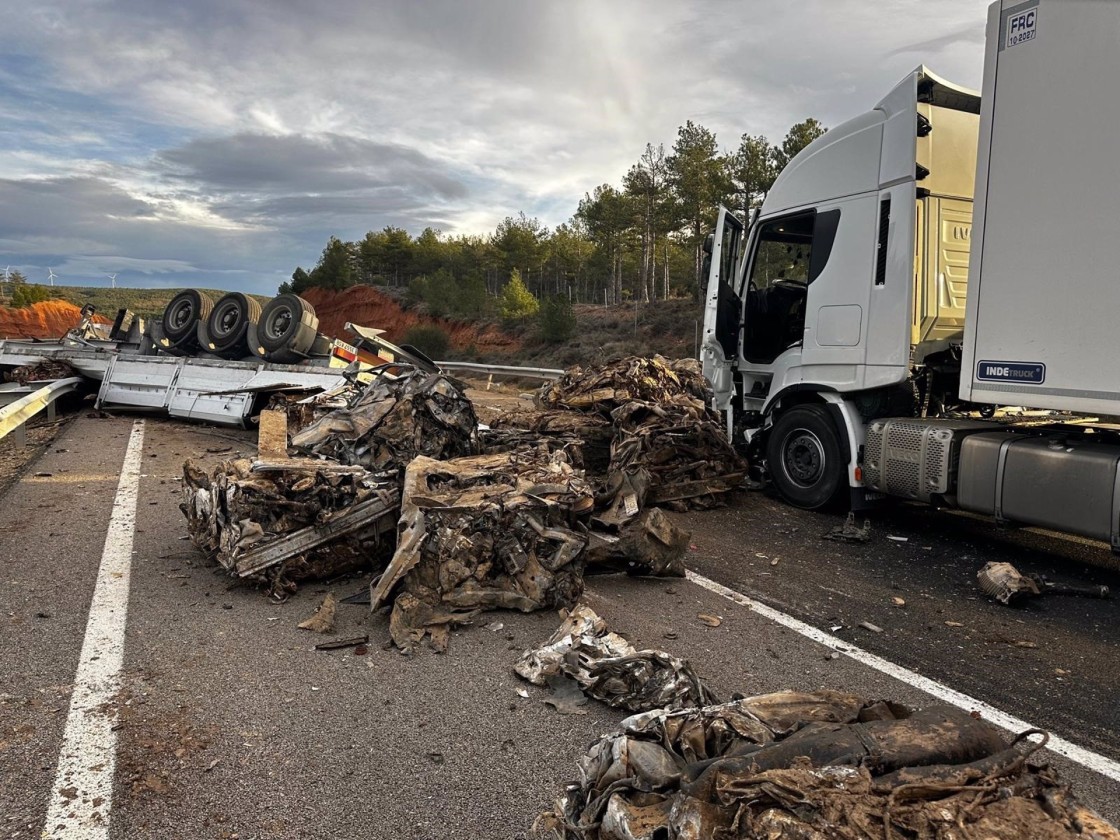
(369, 307)
(48, 319)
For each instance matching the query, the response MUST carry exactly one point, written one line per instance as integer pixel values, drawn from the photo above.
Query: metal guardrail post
(14, 417)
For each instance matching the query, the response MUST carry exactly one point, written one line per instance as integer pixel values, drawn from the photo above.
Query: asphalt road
(231, 725)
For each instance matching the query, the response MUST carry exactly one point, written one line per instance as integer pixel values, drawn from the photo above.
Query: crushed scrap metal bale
(589, 436)
(485, 532)
(808, 766)
(649, 545)
(603, 388)
(235, 513)
(393, 420)
(683, 448)
(608, 668)
(659, 418)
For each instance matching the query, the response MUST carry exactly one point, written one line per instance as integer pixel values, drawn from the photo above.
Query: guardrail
(502, 370)
(14, 417)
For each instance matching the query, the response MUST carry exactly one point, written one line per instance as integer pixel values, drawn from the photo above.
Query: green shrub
(517, 302)
(430, 340)
(25, 294)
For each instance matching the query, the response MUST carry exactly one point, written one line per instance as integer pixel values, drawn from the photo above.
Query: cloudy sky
(218, 143)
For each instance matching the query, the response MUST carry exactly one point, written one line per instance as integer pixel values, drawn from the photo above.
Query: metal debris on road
(603, 388)
(323, 619)
(849, 531)
(1008, 585)
(487, 532)
(608, 668)
(661, 422)
(285, 526)
(813, 765)
(393, 420)
(649, 545)
(339, 644)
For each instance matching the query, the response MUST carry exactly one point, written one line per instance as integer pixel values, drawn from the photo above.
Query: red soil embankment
(368, 307)
(47, 319)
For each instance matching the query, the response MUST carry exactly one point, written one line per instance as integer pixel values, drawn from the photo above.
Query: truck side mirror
(709, 244)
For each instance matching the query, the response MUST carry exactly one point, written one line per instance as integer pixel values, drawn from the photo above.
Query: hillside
(48, 319)
(371, 307)
(667, 327)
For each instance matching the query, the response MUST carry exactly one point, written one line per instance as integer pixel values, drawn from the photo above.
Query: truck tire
(803, 456)
(287, 322)
(289, 355)
(228, 325)
(183, 314)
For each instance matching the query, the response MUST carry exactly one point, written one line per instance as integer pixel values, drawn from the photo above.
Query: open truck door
(723, 308)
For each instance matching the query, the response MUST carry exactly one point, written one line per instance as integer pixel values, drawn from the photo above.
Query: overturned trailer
(214, 362)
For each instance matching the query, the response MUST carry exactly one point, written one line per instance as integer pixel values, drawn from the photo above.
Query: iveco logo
(962, 231)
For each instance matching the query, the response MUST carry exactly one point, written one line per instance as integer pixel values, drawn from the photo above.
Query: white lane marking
(1086, 758)
(82, 796)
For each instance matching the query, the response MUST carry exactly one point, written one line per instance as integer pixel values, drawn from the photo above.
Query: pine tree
(516, 301)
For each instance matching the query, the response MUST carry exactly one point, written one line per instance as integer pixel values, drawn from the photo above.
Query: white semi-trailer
(928, 262)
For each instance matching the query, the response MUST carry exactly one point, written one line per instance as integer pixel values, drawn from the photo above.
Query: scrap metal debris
(850, 531)
(486, 532)
(664, 439)
(41, 371)
(339, 644)
(285, 526)
(603, 388)
(808, 766)
(323, 619)
(650, 545)
(283, 520)
(1008, 585)
(392, 421)
(588, 435)
(608, 668)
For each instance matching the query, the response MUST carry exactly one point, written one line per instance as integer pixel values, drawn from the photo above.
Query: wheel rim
(803, 458)
(278, 324)
(226, 319)
(181, 315)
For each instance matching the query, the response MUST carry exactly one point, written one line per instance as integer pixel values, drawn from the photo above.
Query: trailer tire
(183, 313)
(228, 325)
(805, 460)
(287, 322)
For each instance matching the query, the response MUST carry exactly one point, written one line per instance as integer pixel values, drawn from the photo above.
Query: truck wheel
(804, 460)
(279, 327)
(182, 315)
(229, 323)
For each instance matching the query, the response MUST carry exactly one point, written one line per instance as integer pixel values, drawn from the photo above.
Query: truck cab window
(778, 286)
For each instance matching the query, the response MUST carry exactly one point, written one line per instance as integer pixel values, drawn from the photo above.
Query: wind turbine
(112, 279)
(51, 275)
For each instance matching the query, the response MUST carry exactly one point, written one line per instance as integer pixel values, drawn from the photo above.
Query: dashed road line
(1086, 758)
(82, 796)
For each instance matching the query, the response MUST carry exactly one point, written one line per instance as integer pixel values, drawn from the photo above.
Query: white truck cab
(857, 261)
(862, 334)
